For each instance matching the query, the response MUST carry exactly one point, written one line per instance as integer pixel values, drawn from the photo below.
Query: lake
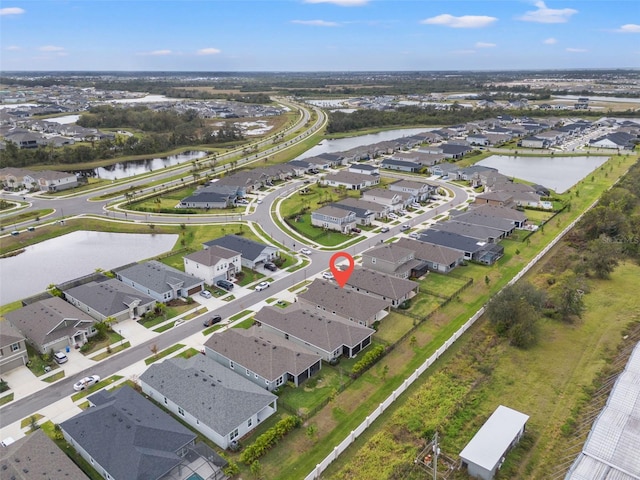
(554, 172)
(137, 167)
(73, 255)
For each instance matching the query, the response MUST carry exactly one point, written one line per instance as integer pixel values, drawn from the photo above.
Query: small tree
(33, 423)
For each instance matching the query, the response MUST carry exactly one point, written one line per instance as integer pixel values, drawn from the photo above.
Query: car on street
(327, 275)
(305, 251)
(86, 382)
(414, 235)
(307, 181)
(262, 285)
(258, 201)
(205, 294)
(404, 228)
(384, 229)
(60, 357)
(271, 266)
(212, 321)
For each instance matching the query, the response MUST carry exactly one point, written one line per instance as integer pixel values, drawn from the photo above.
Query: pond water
(556, 173)
(74, 255)
(344, 144)
(137, 167)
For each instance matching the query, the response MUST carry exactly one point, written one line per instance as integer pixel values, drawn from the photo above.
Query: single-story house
(270, 360)
(13, 347)
(351, 181)
(384, 287)
(318, 332)
(474, 217)
(348, 304)
(212, 196)
(499, 199)
(437, 257)
(160, 281)
(38, 454)
(333, 159)
(392, 259)
(618, 140)
(334, 218)
(213, 264)
(110, 298)
(534, 142)
(364, 169)
(444, 169)
(52, 324)
(517, 217)
(479, 232)
(401, 165)
(252, 252)
(471, 248)
(222, 404)
(145, 441)
(486, 451)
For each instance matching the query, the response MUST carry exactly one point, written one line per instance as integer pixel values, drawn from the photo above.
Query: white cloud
(550, 41)
(465, 21)
(161, 52)
(576, 50)
(629, 28)
(341, 3)
(548, 15)
(51, 48)
(208, 51)
(11, 11)
(315, 23)
(485, 45)
(12, 48)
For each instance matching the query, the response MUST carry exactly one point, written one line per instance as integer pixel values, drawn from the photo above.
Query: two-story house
(334, 218)
(213, 264)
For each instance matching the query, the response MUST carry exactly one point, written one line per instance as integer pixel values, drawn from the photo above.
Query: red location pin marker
(341, 276)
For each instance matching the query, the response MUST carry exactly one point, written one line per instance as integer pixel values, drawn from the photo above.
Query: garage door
(15, 363)
(194, 290)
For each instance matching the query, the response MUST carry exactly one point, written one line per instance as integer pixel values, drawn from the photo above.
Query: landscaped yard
(248, 276)
(96, 344)
(173, 309)
(314, 391)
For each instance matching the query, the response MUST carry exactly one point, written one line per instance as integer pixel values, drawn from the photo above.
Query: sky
(317, 35)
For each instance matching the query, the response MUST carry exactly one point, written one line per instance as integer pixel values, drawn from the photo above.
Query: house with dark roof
(400, 165)
(37, 456)
(252, 252)
(213, 264)
(52, 324)
(162, 282)
(364, 169)
(365, 211)
(534, 142)
(436, 257)
(270, 360)
(472, 249)
(392, 259)
(144, 443)
(385, 287)
(499, 199)
(110, 298)
(13, 347)
(212, 196)
(473, 217)
(348, 304)
(334, 218)
(517, 217)
(619, 140)
(333, 159)
(222, 404)
(316, 330)
(481, 233)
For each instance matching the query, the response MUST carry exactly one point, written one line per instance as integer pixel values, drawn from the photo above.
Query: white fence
(324, 464)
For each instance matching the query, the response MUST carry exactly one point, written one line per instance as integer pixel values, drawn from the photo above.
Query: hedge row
(268, 439)
(369, 358)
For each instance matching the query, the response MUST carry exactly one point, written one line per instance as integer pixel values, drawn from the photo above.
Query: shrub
(4, 386)
(371, 357)
(268, 439)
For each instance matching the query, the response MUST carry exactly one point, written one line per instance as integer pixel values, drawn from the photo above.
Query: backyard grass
(314, 391)
(6, 399)
(424, 304)
(393, 327)
(442, 284)
(163, 353)
(101, 384)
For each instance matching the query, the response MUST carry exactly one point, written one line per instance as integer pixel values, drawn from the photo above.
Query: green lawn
(248, 276)
(248, 323)
(163, 353)
(114, 349)
(328, 238)
(442, 284)
(393, 327)
(314, 391)
(423, 304)
(6, 399)
(238, 316)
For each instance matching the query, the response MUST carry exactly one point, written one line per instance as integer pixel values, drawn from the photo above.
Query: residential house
(472, 249)
(485, 453)
(385, 287)
(391, 259)
(213, 264)
(390, 199)
(444, 169)
(147, 442)
(422, 159)
(363, 215)
(401, 165)
(52, 324)
(316, 331)
(473, 217)
(517, 217)
(319, 163)
(110, 298)
(477, 139)
(270, 360)
(13, 347)
(351, 181)
(252, 252)
(447, 150)
(481, 233)
(499, 199)
(222, 404)
(36, 454)
(334, 218)
(365, 210)
(17, 178)
(437, 258)
(364, 169)
(348, 304)
(212, 196)
(52, 181)
(333, 159)
(162, 282)
(534, 142)
(25, 138)
(617, 140)
(419, 191)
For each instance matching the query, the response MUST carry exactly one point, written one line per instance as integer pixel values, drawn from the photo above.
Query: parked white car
(86, 382)
(327, 275)
(262, 285)
(305, 251)
(392, 216)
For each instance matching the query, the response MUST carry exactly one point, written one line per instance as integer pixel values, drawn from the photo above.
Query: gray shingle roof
(263, 353)
(478, 218)
(479, 232)
(158, 277)
(39, 320)
(380, 284)
(451, 240)
(314, 326)
(249, 249)
(220, 398)
(109, 298)
(331, 211)
(128, 435)
(9, 334)
(501, 212)
(346, 303)
(212, 255)
(431, 253)
(36, 456)
(390, 252)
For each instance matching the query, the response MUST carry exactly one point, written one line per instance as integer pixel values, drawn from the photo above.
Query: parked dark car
(212, 321)
(225, 284)
(356, 230)
(270, 266)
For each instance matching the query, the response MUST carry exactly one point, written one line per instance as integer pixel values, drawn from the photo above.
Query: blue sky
(318, 35)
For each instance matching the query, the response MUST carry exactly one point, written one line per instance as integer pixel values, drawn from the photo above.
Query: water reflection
(74, 255)
(137, 167)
